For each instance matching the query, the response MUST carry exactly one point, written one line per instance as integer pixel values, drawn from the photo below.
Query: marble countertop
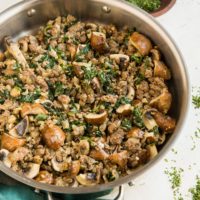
(182, 23)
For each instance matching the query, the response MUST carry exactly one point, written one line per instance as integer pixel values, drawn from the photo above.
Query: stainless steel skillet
(27, 16)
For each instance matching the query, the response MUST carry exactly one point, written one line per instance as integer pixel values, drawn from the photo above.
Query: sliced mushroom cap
(120, 58)
(11, 143)
(32, 109)
(53, 136)
(166, 123)
(141, 43)
(156, 54)
(161, 70)
(84, 147)
(98, 42)
(124, 109)
(131, 93)
(44, 177)
(98, 154)
(32, 170)
(87, 179)
(149, 120)
(4, 157)
(74, 168)
(162, 102)
(114, 126)
(60, 166)
(150, 137)
(20, 129)
(119, 158)
(96, 119)
(135, 133)
(152, 150)
(14, 50)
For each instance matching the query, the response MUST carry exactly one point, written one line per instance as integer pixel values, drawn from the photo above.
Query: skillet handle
(49, 194)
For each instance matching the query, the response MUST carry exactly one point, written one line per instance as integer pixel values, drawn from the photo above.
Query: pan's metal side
(27, 16)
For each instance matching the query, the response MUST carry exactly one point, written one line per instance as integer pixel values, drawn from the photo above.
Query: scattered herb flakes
(137, 117)
(175, 177)
(195, 191)
(126, 124)
(174, 151)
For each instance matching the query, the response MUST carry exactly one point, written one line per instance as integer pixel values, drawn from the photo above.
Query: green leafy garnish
(148, 5)
(138, 59)
(140, 77)
(41, 117)
(30, 98)
(121, 101)
(195, 191)
(59, 89)
(137, 117)
(196, 101)
(89, 74)
(110, 176)
(126, 124)
(4, 95)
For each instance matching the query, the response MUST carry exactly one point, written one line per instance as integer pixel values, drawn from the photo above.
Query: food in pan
(82, 103)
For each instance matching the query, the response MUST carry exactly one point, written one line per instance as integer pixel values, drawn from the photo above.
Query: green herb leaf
(59, 89)
(138, 59)
(122, 101)
(41, 117)
(139, 79)
(137, 117)
(126, 124)
(30, 98)
(196, 101)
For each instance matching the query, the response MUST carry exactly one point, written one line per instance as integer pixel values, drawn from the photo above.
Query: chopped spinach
(138, 59)
(30, 98)
(137, 117)
(126, 124)
(140, 77)
(121, 101)
(80, 56)
(4, 95)
(51, 62)
(89, 74)
(41, 117)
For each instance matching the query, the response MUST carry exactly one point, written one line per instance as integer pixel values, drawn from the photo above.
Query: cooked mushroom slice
(114, 126)
(98, 41)
(19, 154)
(124, 109)
(98, 154)
(135, 133)
(20, 129)
(96, 84)
(32, 109)
(166, 123)
(72, 49)
(74, 168)
(84, 147)
(120, 59)
(14, 50)
(133, 144)
(150, 137)
(11, 143)
(44, 177)
(119, 158)
(60, 166)
(162, 102)
(161, 70)
(32, 170)
(131, 93)
(4, 157)
(87, 179)
(141, 43)
(156, 54)
(53, 136)
(152, 150)
(96, 119)
(149, 120)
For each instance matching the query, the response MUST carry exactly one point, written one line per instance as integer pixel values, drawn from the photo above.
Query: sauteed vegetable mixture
(82, 103)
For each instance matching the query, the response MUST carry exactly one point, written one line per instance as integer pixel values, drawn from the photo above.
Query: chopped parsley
(110, 176)
(196, 101)
(41, 117)
(4, 95)
(89, 74)
(195, 191)
(148, 5)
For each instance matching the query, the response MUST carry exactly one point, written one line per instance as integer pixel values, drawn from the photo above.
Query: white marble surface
(182, 22)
